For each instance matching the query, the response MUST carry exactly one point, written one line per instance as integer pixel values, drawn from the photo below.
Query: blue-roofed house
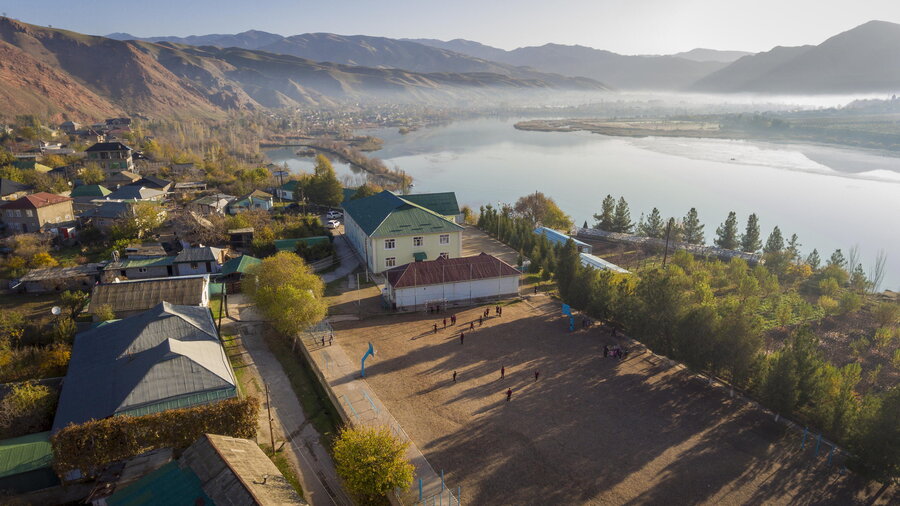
(589, 260)
(388, 231)
(168, 357)
(560, 239)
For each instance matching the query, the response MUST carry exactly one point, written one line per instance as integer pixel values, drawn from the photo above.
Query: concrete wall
(410, 297)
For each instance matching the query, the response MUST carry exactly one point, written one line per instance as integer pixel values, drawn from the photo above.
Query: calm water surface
(830, 197)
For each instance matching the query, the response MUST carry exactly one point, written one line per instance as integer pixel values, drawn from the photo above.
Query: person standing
(499, 311)
(462, 338)
(472, 325)
(435, 328)
(480, 320)
(445, 322)
(508, 394)
(536, 374)
(502, 372)
(454, 376)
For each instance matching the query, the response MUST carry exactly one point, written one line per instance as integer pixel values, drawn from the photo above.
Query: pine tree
(813, 259)
(585, 224)
(607, 213)
(622, 219)
(654, 226)
(750, 242)
(726, 234)
(793, 247)
(775, 243)
(692, 228)
(837, 258)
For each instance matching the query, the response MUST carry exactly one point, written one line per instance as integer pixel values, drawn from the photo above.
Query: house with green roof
(389, 230)
(233, 272)
(443, 203)
(25, 463)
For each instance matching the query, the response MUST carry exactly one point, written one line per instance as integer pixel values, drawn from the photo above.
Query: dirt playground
(590, 430)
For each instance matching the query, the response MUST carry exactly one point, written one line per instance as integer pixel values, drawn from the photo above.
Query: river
(830, 197)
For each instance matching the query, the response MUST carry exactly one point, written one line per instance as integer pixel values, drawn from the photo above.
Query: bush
(887, 313)
(828, 305)
(372, 461)
(104, 313)
(32, 362)
(851, 302)
(829, 287)
(91, 445)
(27, 408)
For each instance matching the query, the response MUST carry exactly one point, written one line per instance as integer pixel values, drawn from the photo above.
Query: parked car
(333, 215)
(332, 224)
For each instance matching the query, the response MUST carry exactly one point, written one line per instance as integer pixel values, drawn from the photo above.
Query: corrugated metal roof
(291, 244)
(204, 254)
(132, 192)
(385, 214)
(599, 263)
(8, 187)
(131, 263)
(558, 237)
(35, 201)
(63, 272)
(90, 190)
(450, 270)
(27, 453)
(239, 264)
(144, 362)
(109, 210)
(442, 203)
(171, 485)
(144, 294)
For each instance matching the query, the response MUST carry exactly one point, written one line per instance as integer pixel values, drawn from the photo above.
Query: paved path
(348, 259)
(361, 406)
(318, 478)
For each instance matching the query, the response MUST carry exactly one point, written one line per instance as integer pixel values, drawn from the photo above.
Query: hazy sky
(624, 26)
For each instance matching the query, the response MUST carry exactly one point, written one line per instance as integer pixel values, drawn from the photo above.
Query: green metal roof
(131, 263)
(291, 244)
(170, 484)
(27, 453)
(90, 190)
(185, 401)
(385, 215)
(239, 264)
(348, 194)
(420, 256)
(442, 203)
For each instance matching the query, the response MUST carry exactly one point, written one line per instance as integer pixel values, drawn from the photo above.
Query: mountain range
(62, 73)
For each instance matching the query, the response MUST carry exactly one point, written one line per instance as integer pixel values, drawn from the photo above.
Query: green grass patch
(235, 353)
(215, 306)
(316, 404)
(284, 466)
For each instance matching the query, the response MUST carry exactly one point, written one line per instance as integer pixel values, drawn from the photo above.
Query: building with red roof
(38, 212)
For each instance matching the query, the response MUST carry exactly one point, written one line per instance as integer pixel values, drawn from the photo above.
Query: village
(132, 305)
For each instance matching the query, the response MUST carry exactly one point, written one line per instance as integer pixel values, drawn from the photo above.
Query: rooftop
(201, 254)
(443, 203)
(134, 192)
(8, 187)
(599, 263)
(108, 146)
(132, 263)
(62, 272)
(35, 201)
(167, 357)
(240, 264)
(90, 190)
(386, 214)
(152, 182)
(26, 453)
(109, 210)
(558, 237)
(449, 270)
(142, 294)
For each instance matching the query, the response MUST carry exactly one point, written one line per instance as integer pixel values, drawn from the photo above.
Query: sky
(623, 26)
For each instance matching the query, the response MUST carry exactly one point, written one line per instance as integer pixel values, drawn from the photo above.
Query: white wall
(462, 291)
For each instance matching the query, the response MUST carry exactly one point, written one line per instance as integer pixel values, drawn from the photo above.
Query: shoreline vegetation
(352, 152)
(751, 127)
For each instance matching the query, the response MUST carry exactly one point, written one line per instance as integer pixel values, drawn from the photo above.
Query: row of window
(392, 261)
(17, 213)
(417, 241)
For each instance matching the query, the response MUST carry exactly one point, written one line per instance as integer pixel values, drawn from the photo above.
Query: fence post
(420, 489)
(818, 442)
(459, 495)
(442, 480)
(803, 444)
(830, 455)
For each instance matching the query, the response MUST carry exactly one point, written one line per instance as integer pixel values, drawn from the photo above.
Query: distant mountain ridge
(863, 59)
(67, 74)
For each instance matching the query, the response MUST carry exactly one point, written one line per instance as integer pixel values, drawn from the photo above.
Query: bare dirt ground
(590, 430)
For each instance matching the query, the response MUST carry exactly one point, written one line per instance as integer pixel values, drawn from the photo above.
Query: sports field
(590, 430)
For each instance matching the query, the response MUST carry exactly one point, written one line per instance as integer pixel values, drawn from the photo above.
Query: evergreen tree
(775, 243)
(654, 226)
(607, 214)
(813, 259)
(622, 219)
(837, 258)
(750, 242)
(876, 444)
(779, 390)
(585, 224)
(692, 228)
(793, 247)
(726, 234)
(858, 280)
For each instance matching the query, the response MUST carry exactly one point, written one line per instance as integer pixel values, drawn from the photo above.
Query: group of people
(498, 310)
(614, 351)
(509, 392)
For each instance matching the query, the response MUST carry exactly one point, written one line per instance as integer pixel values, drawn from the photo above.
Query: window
(417, 241)
(29, 213)
(9, 212)
(142, 269)
(390, 243)
(445, 256)
(390, 262)
(18, 213)
(194, 265)
(445, 238)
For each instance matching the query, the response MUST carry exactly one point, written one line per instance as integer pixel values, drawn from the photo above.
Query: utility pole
(269, 409)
